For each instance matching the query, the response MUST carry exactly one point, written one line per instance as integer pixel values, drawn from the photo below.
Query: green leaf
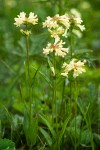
(73, 134)
(76, 121)
(85, 138)
(46, 136)
(19, 107)
(33, 78)
(30, 129)
(47, 123)
(6, 144)
(96, 138)
(63, 130)
(44, 76)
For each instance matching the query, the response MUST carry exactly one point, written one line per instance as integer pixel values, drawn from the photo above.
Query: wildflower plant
(64, 67)
(61, 28)
(30, 124)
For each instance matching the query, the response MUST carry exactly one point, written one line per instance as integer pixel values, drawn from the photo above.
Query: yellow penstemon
(58, 26)
(76, 66)
(22, 20)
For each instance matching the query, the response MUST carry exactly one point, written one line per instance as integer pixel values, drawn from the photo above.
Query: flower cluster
(23, 20)
(56, 47)
(76, 22)
(56, 26)
(64, 22)
(76, 67)
(56, 21)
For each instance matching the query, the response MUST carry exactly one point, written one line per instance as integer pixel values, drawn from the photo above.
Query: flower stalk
(23, 21)
(28, 77)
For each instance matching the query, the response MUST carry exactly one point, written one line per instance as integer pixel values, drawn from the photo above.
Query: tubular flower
(76, 67)
(56, 21)
(25, 32)
(32, 18)
(57, 48)
(76, 20)
(75, 13)
(52, 70)
(22, 19)
(56, 32)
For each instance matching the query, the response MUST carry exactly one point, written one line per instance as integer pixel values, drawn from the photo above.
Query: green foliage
(6, 144)
(30, 129)
(46, 136)
(48, 123)
(62, 131)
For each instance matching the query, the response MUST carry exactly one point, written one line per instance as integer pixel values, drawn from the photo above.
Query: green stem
(76, 94)
(63, 103)
(76, 98)
(54, 95)
(27, 49)
(28, 77)
(28, 84)
(71, 52)
(71, 44)
(55, 90)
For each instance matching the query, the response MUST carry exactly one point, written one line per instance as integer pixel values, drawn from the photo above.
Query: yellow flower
(22, 19)
(52, 70)
(32, 18)
(56, 21)
(57, 47)
(50, 22)
(26, 32)
(77, 67)
(65, 74)
(75, 12)
(56, 32)
(75, 19)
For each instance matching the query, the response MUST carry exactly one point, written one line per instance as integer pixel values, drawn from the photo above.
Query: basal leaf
(48, 124)
(46, 136)
(63, 130)
(6, 144)
(30, 129)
